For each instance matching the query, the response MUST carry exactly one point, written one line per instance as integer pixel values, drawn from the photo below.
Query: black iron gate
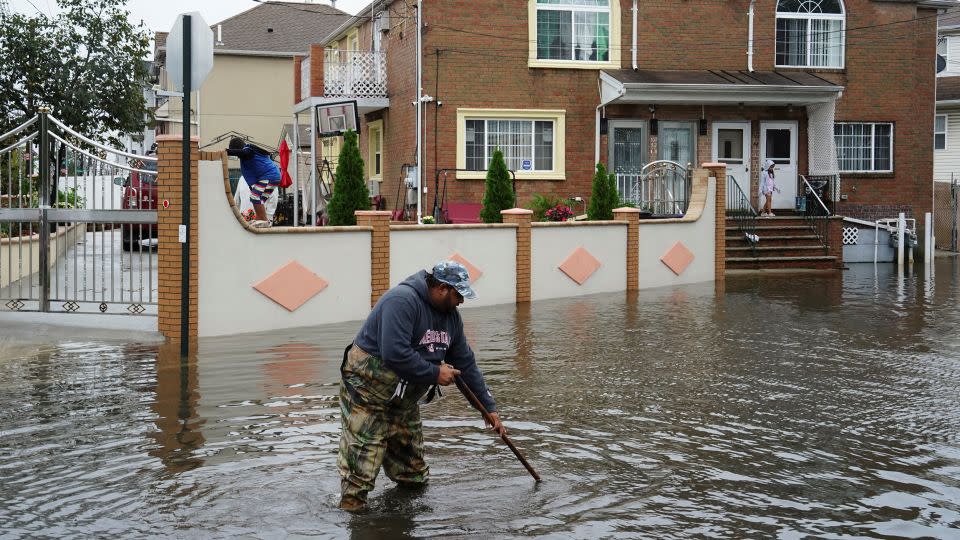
(77, 223)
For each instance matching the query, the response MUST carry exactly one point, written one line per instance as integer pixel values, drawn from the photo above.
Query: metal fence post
(44, 203)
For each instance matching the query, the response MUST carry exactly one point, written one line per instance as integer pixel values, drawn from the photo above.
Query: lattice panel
(851, 235)
(359, 74)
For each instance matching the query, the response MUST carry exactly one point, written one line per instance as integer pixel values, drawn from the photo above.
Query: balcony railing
(355, 74)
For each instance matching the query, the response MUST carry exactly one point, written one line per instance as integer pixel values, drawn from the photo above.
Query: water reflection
(178, 431)
(789, 406)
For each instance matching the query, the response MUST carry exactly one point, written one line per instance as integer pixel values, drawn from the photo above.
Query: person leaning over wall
(260, 173)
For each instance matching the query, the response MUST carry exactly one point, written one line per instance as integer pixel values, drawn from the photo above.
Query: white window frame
(873, 142)
(374, 133)
(946, 129)
(558, 117)
(614, 55)
(946, 52)
(842, 17)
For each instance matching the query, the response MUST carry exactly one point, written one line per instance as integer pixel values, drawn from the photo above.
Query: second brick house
(844, 89)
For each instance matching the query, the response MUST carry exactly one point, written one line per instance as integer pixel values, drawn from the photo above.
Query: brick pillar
(316, 70)
(522, 217)
(379, 250)
(719, 171)
(297, 65)
(169, 252)
(632, 217)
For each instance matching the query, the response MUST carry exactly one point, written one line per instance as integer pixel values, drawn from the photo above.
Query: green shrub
(604, 197)
(498, 190)
(350, 191)
(541, 203)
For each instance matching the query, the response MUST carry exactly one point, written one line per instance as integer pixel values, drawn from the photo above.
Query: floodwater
(784, 406)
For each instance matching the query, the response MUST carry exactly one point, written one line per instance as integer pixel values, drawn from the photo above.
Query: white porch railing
(356, 74)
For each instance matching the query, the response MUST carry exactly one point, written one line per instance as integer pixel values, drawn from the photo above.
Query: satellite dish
(941, 63)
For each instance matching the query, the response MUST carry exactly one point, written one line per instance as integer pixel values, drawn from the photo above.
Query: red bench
(462, 213)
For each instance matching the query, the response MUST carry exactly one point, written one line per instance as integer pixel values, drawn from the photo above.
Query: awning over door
(718, 87)
(715, 87)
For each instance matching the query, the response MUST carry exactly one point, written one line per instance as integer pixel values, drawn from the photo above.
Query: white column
(313, 166)
(927, 237)
(295, 152)
(901, 226)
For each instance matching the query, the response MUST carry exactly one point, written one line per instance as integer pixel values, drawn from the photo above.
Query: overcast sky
(160, 14)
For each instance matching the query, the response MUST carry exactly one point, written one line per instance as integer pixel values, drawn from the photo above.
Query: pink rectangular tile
(677, 258)
(291, 286)
(580, 265)
(474, 272)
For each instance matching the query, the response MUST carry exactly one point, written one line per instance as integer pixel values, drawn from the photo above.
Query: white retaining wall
(552, 244)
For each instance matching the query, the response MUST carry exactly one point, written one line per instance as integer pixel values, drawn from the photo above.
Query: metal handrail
(26, 139)
(97, 145)
(91, 156)
(20, 128)
(817, 215)
(743, 213)
(813, 192)
(659, 198)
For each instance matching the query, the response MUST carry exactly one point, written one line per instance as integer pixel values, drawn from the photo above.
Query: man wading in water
(411, 342)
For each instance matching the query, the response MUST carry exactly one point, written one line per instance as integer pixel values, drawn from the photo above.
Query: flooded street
(784, 406)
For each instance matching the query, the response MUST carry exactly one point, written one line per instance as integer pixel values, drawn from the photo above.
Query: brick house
(832, 87)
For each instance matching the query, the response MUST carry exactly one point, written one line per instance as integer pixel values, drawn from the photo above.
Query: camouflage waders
(378, 427)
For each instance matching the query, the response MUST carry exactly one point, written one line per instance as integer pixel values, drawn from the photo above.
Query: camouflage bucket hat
(455, 275)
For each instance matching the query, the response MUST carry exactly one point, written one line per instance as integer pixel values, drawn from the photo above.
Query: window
(943, 50)
(575, 33)
(676, 142)
(810, 33)
(375, 150)
(940, 132)
(532, 142)
(864, 147)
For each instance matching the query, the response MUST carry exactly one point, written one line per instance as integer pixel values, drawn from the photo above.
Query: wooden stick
(465, 390)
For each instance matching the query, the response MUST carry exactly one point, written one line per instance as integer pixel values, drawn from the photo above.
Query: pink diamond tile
(291, 285)
(677, 258)
(580, 265)
(474, 272)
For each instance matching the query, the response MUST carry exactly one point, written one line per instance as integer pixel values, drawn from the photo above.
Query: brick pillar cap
(172, 137)
(626, 210)
(516, 212)
(358, 213)
(714, 165)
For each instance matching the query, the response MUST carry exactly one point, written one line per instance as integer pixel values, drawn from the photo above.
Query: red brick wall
(889, 76)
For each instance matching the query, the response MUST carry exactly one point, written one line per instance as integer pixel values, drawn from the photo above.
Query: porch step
(775, 242)
(823, 262)
(771, 252)
(765, 230)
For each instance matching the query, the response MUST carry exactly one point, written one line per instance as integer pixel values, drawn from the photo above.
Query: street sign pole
(185, 245)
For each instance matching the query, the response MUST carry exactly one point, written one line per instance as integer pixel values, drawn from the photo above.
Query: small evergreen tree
(604, 197)
(350, 191)
(498, 190)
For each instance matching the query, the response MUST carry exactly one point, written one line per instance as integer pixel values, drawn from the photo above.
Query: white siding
(947, 161)
(953, 57)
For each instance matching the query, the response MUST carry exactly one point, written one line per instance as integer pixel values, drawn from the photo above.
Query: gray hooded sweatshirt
(411, 337)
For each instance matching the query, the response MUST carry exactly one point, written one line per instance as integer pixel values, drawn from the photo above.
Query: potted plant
(560, 212)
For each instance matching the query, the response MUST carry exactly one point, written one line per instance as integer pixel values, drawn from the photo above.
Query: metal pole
(313, 166)
(901, 225)
(296, 169)
(927, 237)
(44, 179)
(185, 245)
(419, 109)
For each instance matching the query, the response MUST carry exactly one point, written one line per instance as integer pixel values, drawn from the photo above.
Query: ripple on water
(789, 407)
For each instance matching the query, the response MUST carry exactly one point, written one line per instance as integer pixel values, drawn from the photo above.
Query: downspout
(750, 38)
(596, 153)
(633, 51)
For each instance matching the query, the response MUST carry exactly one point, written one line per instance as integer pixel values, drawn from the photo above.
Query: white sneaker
(771, 214)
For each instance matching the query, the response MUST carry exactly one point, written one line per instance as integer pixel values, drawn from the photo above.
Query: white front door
(731, 145)
(778, 141)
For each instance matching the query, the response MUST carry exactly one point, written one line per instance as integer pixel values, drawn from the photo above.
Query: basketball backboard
(333, 119)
